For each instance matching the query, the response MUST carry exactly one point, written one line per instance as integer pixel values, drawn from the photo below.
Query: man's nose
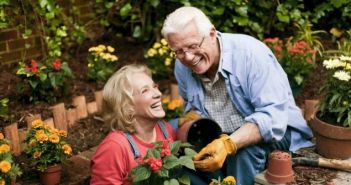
(188, 56)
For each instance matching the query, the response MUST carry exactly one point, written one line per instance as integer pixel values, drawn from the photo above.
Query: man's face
(147, 98)
(199, 53)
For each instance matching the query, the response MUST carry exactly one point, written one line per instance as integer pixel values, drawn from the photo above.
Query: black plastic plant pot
(199, 133)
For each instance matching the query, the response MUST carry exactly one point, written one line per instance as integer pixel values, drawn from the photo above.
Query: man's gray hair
(180, 19)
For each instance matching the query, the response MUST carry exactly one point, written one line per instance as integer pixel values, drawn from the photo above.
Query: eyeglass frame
(191, 49)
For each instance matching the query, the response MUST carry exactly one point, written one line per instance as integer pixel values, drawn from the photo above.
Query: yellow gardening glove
(212, 157)
(189, 116)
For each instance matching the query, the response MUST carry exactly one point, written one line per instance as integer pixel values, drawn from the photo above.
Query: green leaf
(184, 179)
(187, 162)
(154, 3)
(137, 32)
(125, 10)
(173, 182)
(163, 172)
(189, 152)
(43, 3)
(170, 162)
(175, 146)
(140, 173)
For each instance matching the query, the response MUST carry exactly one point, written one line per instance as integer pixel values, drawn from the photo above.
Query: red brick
(33, 52)
(7, 57)
(3, 47)
(20, 43)
(8, 35)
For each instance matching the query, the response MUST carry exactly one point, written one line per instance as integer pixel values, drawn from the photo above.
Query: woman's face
(147, 98)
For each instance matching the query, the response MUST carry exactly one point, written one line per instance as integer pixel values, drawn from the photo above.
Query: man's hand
(189, 116)
(212, 157)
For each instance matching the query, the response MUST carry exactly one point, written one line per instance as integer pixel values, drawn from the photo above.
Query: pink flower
(56, 64)
(155, 164)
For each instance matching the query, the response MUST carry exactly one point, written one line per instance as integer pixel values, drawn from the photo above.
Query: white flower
(342, 57)
(333, 63)
(342, 75)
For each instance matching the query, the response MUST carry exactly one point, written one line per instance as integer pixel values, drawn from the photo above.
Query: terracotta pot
(279, 169)
(199, 133)
(52, 175)
(331, 141)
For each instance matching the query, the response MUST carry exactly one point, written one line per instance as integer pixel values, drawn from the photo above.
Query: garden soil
(90, 131)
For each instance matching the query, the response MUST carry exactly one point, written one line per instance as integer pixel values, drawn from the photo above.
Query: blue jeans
(244, 165)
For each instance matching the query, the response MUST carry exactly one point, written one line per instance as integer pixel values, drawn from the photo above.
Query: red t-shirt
(114, 158)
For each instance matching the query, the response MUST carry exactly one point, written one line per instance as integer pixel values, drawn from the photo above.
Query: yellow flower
(229, 180)
(2, 182)
(163, 42)
(54, 131)
(156, 45)
(4, 148)
(36, 155)
(62, 133)
(336, 32)
(1, 136)
(67, 149)
(110, 49)
(168, 61)
(41, 137)
(165, 100)
(54, 138)
(37, 123)
(172, 106)
(5, 166)
(161, 51)
(32, 143)
(177, 102)
(151, 52)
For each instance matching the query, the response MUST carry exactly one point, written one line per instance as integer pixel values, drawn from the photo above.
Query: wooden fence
(62, 119)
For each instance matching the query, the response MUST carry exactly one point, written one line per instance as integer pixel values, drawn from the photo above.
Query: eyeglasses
(190, 49)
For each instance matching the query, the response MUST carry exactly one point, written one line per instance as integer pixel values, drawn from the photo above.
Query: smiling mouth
(197, 62)
(156, 105)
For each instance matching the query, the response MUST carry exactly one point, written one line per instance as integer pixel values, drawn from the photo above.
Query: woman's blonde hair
(117, 105)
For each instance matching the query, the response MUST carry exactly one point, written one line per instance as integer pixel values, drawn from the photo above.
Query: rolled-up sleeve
(268, 91)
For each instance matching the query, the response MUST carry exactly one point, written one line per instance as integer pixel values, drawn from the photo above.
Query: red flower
(34, 68)
(166, 151)
(56, 64)
(154, 163)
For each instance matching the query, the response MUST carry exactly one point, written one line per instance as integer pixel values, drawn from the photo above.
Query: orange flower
(4, 148)
(37, 123)
(1, 136)
(54, 138)
(5, 166)
(67, 149)
(36, 155)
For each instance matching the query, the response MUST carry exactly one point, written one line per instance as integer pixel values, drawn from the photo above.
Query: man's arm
(246, 135)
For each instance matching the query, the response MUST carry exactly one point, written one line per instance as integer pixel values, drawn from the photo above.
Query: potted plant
(47, 148)
(332, 124)
(162, 164)
(8, 169)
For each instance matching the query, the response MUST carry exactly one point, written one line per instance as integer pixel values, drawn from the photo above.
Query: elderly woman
(132, 107)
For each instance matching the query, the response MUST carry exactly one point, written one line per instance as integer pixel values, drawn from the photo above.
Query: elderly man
(235, 80)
